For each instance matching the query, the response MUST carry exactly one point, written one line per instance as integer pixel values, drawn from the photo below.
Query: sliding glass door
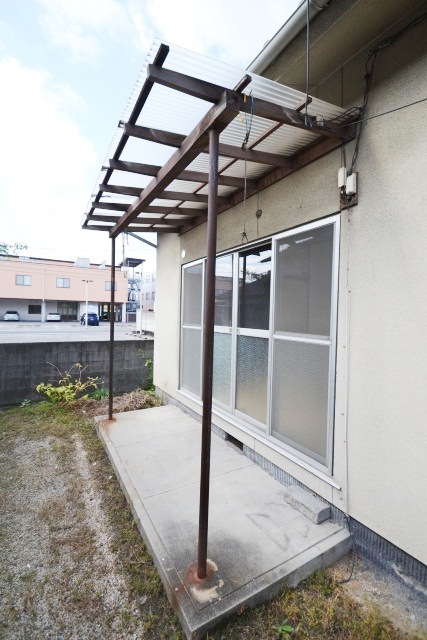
(254, 281)
(303, 355)
(274, 338)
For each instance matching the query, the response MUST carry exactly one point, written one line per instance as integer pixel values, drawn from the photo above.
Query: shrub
(70, 386)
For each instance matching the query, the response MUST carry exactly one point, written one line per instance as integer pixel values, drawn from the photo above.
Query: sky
(67, 69)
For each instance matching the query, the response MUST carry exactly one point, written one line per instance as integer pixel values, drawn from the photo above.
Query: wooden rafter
(164, 195)
(226, 150)
(191, 176)
(218, 117)
(259, 107)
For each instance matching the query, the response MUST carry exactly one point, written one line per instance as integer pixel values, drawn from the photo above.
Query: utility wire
(384, 113)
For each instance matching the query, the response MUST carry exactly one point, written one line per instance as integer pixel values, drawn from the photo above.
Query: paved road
(21, 332)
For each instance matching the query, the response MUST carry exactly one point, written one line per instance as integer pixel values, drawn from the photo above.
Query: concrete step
(307, 503)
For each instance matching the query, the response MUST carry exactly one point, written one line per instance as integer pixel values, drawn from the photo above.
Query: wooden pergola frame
(142, 215)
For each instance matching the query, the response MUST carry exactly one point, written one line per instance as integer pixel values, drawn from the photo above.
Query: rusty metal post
(208, 342)
(112, 302)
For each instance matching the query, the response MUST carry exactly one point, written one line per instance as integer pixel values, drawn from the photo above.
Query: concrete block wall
(24, 366)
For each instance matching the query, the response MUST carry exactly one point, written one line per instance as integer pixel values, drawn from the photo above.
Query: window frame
(261, 432)
(189, 326)
(26, 280)
(63, 285)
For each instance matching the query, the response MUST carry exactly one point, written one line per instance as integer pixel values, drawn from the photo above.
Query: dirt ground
(62, 577)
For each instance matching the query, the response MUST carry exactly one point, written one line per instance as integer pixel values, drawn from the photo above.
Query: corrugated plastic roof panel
(173, 111)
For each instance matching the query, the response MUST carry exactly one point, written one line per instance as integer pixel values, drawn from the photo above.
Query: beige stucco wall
(380, 438)
(43, 281)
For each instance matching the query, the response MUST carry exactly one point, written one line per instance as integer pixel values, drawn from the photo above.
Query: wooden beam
(189, 197)
(302, 158)
(293, 118)
(191, 176)
(161, 56)
(132, 229)
(113, 206)
(218, 117)
(257, 106)
(122, 190)
(186, 84)
(190, 212)
(226, 150)
(154, 135)
(150, 221)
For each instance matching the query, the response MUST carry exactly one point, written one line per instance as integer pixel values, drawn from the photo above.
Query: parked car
(92, 319)
(12, 315)
(52, 316)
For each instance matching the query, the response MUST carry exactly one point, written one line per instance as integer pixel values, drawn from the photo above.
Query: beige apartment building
(35, 287)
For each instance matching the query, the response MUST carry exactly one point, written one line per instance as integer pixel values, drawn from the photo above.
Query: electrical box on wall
(347, 185)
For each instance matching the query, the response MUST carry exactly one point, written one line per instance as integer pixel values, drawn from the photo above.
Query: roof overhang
(155, 177)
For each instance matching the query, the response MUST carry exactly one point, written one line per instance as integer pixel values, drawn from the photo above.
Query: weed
(149, 382)
(99, 394)
(71, 385)
(283, 630)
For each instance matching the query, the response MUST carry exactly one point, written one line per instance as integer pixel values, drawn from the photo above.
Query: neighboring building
(148, 291)
(319, 362)
(36, 286)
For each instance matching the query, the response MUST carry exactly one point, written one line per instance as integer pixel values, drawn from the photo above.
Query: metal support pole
(208, 342)
(112, 301)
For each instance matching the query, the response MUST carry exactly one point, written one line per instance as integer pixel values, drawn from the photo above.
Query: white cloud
(46, 162)
(84, 28)
(233, 32)
(230, 31)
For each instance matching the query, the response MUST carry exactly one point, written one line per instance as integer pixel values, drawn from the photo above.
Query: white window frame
(23, 280)
(260, 431)
(61, 283)
(183, 389)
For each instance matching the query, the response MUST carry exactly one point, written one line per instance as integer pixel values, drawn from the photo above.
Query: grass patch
(318, 609)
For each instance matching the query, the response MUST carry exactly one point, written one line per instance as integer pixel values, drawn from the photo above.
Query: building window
(34, 309)
(274, 338)
(147, 295)
(153, 295)
(63, 283)
(23, 280)
(108, 286)
(148, 278)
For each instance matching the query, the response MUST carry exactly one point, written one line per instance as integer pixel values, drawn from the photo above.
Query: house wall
(379, 475)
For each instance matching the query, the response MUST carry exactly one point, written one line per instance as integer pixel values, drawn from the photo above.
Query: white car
(53, 317)
(12, 315)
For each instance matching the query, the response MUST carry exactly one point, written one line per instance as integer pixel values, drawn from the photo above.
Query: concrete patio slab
(257, 541)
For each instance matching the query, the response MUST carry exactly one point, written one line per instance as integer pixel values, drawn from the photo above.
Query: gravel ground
(59, 580)
(61, 576)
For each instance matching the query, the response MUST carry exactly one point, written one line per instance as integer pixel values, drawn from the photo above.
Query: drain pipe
(288, 32)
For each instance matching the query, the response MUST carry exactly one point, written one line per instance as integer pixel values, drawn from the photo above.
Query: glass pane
(223, 290)
(303, 282)
(251, 384)
(190, 360)
(193, 291)
(254, 287)
(222, 367)
(300, 396)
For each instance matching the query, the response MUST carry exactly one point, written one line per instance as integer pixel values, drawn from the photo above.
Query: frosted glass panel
(222, 367)
(252, 370)
(254, 287)
(190, 359)
(303, 282)
(223, 290)
(193, 290)
(300, 396)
